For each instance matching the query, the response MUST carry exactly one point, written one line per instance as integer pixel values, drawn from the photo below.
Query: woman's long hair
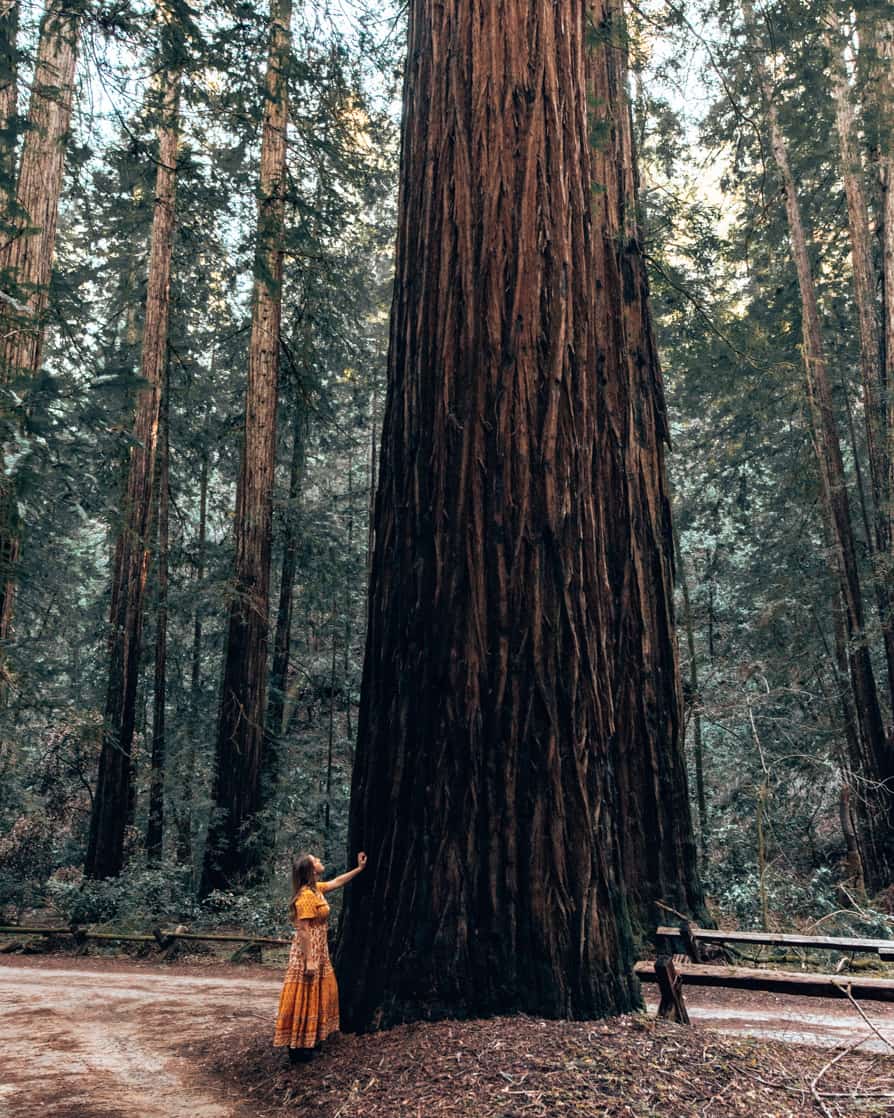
(303, 873)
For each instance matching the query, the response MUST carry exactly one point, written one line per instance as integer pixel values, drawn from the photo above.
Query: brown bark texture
(26, 255)
(105, 849)
(885, 46)
(230, 851)
(482, 787)
(871, 367)
(877, 767)
(9, 28)
(654, 821)
(155, 826)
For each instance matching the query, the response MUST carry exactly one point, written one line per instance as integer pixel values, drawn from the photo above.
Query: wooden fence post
(672, 1007)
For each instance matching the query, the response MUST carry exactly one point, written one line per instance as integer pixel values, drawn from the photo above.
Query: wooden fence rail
(163, 938)
(884, 948)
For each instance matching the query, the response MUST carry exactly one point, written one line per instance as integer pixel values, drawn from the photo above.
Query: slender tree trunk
(230, 851)
(26, 256)
(327, 802)
(879, 755)
(482, 788)
(105, 850)
(373, 478)
(657, 841)
(854, 861)
(279, 674)
(184, 815)
(348, 611)
(9, 33)
(156, 822)
(698, 753)
(871, 367)
(885, 43)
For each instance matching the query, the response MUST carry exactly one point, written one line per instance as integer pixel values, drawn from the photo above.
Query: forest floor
(111, 1038)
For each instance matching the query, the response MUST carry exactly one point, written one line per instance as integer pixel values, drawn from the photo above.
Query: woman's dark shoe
(300, 1055)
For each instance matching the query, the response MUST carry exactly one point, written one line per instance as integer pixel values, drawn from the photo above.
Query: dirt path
(101, 1038)
(820, 1022)
(78, 1042)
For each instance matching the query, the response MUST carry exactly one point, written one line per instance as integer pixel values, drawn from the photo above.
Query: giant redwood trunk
(482, 786)
(108, 819)
(232, 849)
(26, 256)
(654, 818)
(876, 765)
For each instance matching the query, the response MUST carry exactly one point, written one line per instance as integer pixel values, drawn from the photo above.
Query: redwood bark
(230, 852)
(26, 256)
(105, 850)
(886, 164)
(657, 841)
(9, 30)
(155, 826)
(482, 788)
(878, 754)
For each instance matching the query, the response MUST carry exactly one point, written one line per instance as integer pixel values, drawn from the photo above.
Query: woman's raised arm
(344, 878)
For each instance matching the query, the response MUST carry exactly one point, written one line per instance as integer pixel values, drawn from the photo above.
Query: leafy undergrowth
(630, 1067)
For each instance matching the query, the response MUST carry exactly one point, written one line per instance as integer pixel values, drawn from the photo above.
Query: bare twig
(845, 988)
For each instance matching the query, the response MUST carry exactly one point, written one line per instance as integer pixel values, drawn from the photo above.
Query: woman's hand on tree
(361, 860)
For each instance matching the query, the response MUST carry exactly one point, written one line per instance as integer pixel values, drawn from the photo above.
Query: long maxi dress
(308, 1005)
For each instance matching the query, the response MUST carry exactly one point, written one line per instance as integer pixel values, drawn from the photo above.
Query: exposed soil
(113, 1038)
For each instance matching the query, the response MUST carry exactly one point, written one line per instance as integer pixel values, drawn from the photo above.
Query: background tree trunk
(279, 674)
(156, 822)
(695, 705)
(482, 788)
(26, 256)
(870, 346)
(105, 850)
(184, 814)
(878, 766)
(230, 851)
(657, 842)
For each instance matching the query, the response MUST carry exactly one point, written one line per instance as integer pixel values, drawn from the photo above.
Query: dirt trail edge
(103, 1038)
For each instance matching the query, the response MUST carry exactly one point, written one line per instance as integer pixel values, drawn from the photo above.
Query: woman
(308, 1005)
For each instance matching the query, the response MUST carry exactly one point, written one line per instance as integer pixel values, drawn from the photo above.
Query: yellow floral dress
(308, 1005)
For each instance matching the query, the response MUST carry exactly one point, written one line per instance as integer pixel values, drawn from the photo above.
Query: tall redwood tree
(232, 848)
(28, 244)
(482, 787)
(114, 783)
(657, 843)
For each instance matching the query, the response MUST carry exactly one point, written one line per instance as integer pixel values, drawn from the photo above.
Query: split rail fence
(672, 972)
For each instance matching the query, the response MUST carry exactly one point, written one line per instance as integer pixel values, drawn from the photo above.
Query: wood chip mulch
(520, 1067)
